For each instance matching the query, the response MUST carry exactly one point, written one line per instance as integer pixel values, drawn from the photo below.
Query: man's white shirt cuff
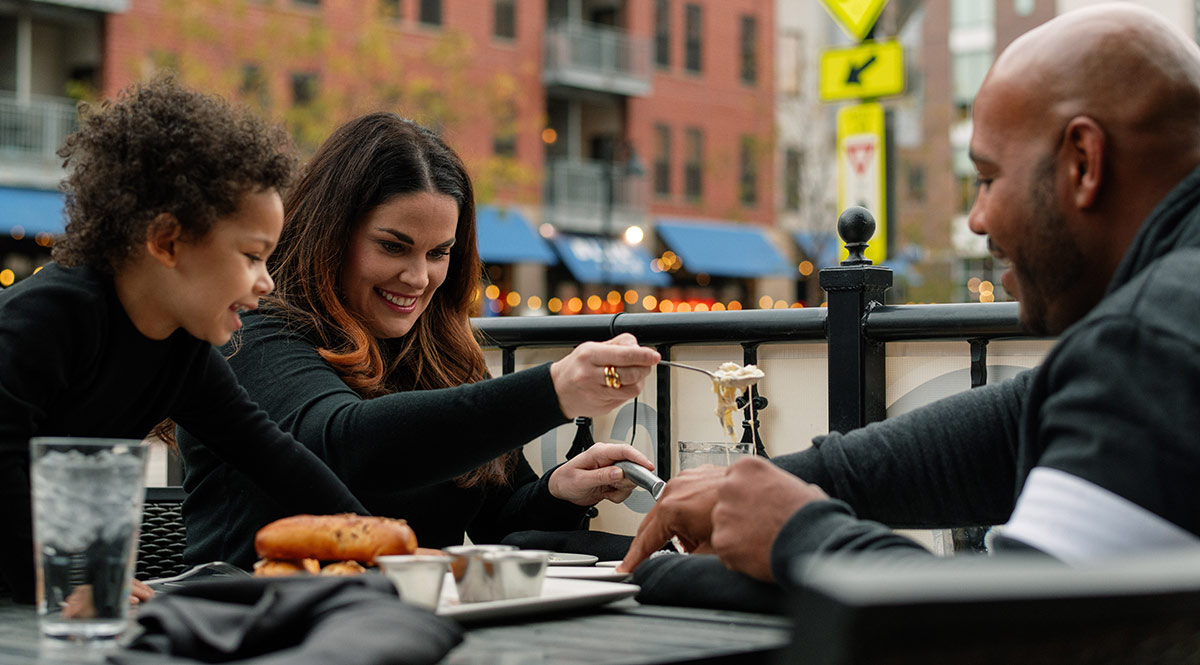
(1079, 522)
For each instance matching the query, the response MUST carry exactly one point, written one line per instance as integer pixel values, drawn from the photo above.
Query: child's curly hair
(161, 148)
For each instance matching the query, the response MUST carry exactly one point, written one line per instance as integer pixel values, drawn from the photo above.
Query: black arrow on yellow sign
(855, 72)
(871, 69)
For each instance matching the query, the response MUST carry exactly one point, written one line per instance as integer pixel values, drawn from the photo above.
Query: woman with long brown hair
(366, 355)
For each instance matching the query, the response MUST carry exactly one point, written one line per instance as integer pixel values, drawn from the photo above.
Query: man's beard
(1051, 266)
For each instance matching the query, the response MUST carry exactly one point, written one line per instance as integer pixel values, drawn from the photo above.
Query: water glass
(718, 453)
(87, 513)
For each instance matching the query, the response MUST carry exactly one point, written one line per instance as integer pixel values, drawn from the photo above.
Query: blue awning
(34, 210)
(505, 236)
(820, 247)
(723, 248)
(597, 260)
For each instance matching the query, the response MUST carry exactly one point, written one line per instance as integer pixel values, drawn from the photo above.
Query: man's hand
(753, 502)
(683, 510)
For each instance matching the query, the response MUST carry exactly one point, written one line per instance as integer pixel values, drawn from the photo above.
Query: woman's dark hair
(364, 164)
(161, 148)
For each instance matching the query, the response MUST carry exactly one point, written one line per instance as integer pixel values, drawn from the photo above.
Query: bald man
(1087, 144)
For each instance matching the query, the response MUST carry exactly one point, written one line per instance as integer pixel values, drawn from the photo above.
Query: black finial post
(856, 226)
(856, 362)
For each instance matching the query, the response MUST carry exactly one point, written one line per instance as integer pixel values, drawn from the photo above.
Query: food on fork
(353, 540)
(729, 381)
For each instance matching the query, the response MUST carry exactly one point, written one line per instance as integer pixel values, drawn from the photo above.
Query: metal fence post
(856, 362)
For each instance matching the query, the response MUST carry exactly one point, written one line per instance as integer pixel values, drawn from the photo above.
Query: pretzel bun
(343, 568)
(335, 538)
(281, 568)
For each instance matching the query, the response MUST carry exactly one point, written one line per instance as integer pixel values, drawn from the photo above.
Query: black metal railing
(855, 325)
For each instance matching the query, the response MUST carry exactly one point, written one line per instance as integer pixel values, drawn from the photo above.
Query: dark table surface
(621, 633)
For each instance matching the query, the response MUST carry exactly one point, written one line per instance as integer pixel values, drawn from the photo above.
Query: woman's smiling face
(398, 257)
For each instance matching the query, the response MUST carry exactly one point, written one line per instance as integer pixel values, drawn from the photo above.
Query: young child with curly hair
(173, 205)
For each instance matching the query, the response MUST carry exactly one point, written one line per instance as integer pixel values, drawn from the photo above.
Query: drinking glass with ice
(87, 512)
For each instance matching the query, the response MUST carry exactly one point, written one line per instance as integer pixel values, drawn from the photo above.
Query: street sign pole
(864, 73)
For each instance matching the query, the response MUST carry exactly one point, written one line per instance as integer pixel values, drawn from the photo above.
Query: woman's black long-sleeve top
(398, 453)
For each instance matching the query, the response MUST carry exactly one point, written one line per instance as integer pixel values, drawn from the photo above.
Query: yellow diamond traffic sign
(874, 69)
(857, 17)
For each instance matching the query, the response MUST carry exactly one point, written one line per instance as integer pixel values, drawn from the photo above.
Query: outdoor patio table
(622, 633)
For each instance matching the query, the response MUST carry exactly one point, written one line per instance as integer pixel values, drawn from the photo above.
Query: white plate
(569, 559)
(608, 564)
(586, 573)
(557, 594)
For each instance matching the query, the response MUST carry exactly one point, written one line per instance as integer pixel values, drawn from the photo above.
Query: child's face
(398, 256)
(225, 271)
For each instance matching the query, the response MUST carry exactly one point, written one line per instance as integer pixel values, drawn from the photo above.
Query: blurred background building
(629, 155)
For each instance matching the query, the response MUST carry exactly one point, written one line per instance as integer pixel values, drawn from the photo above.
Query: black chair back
(160, 547)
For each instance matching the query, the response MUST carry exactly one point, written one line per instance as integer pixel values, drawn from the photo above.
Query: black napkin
(295, 620)
(605, 546)
(701, 580)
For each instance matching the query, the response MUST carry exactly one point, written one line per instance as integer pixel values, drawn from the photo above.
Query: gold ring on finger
(611, 378)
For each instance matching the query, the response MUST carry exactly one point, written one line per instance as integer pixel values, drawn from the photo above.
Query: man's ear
(1084, 145)
(162, 239)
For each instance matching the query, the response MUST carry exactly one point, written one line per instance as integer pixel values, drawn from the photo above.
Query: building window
(662, 160)
(504, 143)
(505, 23)
(967, 188)
(790, 68)
(304, 88)
(430, 12)
(693, 56)
(693, 182)
(254, 89)
(915, 180)
(748, 174)
(792, 159)
(968, 69)
(972, 13)
(749, 48)
(389, 10)
(662, 33)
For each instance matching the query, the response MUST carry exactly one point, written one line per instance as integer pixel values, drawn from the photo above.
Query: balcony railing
(30, 133)
(577, 196)
(596, 57)
(34, 130)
